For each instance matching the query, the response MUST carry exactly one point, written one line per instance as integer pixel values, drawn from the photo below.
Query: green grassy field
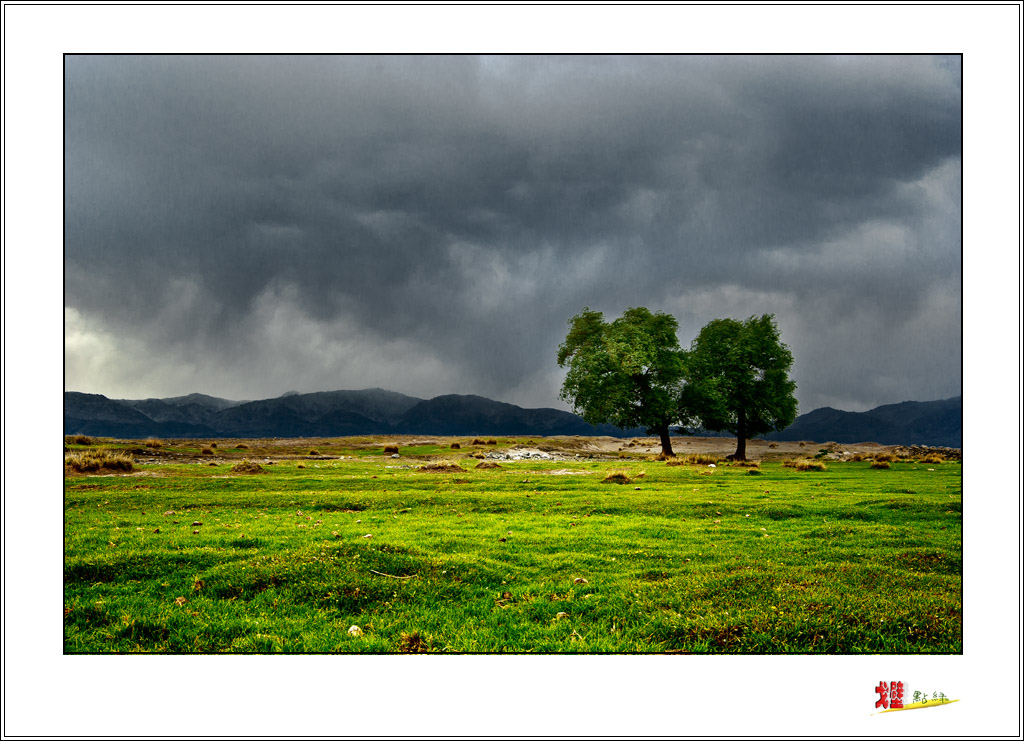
(532, 557)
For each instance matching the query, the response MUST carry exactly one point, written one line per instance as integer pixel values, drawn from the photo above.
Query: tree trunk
(666, 442)
(741, 438)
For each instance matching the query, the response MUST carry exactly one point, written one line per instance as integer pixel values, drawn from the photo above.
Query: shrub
(456, 446)
(413, 643)
(213, 445)
(77, 440)
(207, 451)
(441, 467)
(247, 466)
(804, 464)
(241, 446)
(880, 464)
(488, 464)
(314, 452)
(694, 459)
(932, 458)
(154, 443)
(92, 461)
(617, 477)
(747, 464)
(477, 441)
(491, 442)
(390, 449)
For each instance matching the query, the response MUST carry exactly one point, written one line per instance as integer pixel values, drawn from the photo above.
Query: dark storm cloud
(253, 224)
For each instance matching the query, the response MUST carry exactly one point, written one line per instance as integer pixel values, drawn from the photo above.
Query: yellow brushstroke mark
(918, 706)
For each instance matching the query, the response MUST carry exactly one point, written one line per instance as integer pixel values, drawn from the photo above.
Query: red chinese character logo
(896, 695)
(883, 695)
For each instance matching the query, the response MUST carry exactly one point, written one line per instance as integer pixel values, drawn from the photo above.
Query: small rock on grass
(355, 630)
(580, 580)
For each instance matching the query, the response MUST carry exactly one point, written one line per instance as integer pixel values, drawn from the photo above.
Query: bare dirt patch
(757, 449)
(568, 448)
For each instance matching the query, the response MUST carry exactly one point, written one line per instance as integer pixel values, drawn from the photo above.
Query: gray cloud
(246, 225)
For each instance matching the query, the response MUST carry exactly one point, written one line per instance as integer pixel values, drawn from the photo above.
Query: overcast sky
(244, 226)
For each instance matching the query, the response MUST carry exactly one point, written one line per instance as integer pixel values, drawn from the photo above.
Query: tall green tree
(737, 380)
(627, 373)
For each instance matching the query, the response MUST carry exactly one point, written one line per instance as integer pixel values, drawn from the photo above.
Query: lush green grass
(516, 559)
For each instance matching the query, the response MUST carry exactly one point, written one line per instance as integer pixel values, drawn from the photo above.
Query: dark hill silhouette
(454, 414)
(319, 414)
(933, 423)
(378, 411)
(95, 414)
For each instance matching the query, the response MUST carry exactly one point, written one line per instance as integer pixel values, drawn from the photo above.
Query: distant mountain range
(932, 423)
(381, 412)
(321, 414)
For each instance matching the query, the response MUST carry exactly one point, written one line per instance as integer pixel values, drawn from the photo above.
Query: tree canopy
(628, 373)
(632, 373)
(737, 380)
